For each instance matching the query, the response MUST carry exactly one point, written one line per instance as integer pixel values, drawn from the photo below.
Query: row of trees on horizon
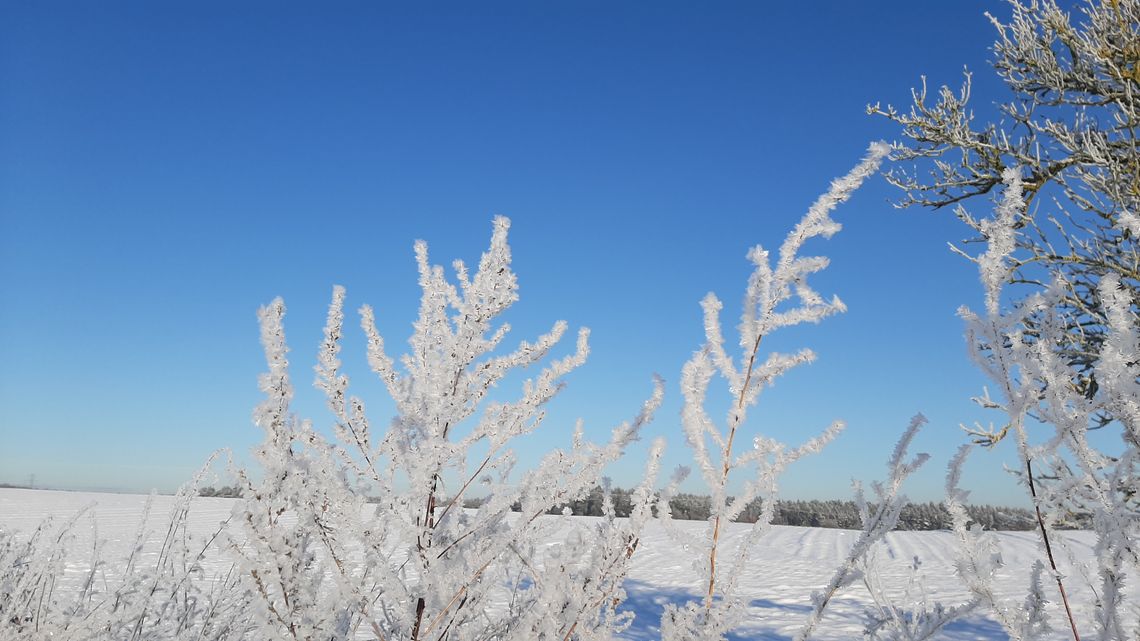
(812, 513)
(832, 513)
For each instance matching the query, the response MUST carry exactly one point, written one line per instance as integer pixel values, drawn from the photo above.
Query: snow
(788, 565)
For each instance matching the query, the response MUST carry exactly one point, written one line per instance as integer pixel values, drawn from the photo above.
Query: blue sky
(166, 168)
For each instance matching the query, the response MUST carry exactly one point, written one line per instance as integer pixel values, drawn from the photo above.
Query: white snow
(789, 564)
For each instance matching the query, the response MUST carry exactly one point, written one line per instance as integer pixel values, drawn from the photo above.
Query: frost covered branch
(777, 296)
(1070, 127)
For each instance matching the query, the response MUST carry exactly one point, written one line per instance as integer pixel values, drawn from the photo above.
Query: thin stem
(463, 489)
(726, 461)
(1049, 550)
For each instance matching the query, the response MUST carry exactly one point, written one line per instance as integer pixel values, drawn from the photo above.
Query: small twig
(463, 489)
(420, 605)
(1049, 550)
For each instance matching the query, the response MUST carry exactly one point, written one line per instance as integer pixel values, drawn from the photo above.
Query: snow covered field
(791, 563)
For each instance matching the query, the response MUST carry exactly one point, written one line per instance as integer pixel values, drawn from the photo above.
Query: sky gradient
(166, 168)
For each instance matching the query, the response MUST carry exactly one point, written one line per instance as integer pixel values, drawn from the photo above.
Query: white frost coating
(1000, 239)
(1130, 221)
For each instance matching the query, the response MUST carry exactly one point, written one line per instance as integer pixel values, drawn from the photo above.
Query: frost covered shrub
(146, 594)
(1021, 348)
(359, 533)
(1047, 409)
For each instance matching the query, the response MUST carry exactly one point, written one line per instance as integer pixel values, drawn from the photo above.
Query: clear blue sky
(166, 168)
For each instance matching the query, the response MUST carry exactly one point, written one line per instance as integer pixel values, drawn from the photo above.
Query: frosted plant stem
(429, 525)
(466, 485)
(727, 465)
(1049, 549)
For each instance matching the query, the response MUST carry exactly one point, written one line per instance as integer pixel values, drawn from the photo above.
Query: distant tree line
(845, 514)
(225, 492)
(825, 514)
